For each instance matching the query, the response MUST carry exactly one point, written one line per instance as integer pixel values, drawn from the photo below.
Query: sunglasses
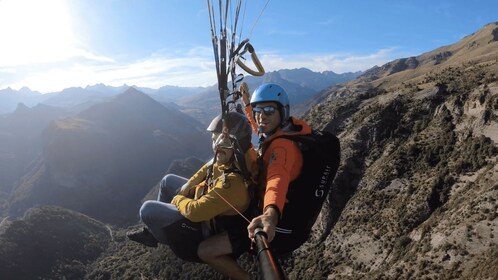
(267, 110)
(226, 147)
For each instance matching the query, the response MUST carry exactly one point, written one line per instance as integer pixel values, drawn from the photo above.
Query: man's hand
(244, 91)
(267, 221)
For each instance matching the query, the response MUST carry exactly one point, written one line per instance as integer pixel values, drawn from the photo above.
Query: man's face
(267, 116)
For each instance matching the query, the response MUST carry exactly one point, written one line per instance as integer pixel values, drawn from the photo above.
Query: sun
(35, 32)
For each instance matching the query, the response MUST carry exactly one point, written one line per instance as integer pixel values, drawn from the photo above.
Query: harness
(306, 193)
(209, 185)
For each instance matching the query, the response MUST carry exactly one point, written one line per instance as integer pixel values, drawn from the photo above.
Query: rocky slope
(20, 134)
(416, 195)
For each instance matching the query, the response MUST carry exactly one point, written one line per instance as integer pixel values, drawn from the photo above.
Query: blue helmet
(273, 93)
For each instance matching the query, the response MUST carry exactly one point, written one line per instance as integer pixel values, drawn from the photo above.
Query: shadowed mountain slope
(104, 160)
(20, 143)
(9, 98)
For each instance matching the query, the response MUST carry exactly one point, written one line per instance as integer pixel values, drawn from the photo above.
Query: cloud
(194, 68)
(159, 71)
(154, 71)
(329, 21)
(337, 62)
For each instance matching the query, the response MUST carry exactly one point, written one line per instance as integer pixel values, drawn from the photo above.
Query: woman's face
(224, 155)
(223, 148)
(214, 137)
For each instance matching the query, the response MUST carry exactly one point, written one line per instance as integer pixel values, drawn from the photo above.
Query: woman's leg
(158, 215)
(216, 251)
(168, 187)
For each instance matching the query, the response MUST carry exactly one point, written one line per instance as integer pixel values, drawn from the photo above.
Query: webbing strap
(231, 205)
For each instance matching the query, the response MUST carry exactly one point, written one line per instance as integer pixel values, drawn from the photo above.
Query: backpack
(306, 194)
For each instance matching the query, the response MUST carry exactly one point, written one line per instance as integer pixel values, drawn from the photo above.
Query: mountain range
(21, 144)
(415, 196)
(102, 161)
(302, 84)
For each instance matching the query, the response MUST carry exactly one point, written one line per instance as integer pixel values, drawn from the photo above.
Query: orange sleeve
(284, 161)
(248, 111)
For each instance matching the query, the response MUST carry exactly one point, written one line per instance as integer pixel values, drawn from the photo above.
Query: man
(268, 109)
(285, 185)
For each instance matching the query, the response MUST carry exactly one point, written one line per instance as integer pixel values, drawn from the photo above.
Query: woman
(209, 201)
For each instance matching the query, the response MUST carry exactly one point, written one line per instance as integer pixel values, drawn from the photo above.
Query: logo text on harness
(320, 191)
(184, 225)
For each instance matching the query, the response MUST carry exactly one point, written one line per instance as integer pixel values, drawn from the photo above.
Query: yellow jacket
(208, 202)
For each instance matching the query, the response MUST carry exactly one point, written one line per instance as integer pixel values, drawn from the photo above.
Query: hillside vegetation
(50, 243)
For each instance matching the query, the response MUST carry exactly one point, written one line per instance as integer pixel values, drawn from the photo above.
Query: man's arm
(284, 164)
(267, 221)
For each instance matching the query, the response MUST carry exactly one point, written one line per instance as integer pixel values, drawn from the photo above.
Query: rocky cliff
(416, 194)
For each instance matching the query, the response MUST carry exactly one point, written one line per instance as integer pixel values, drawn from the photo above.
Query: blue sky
(54, 44)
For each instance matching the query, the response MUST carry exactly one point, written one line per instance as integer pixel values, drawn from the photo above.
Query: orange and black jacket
(282, 161)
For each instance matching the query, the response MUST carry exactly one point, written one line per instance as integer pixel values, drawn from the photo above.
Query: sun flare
(34, 32)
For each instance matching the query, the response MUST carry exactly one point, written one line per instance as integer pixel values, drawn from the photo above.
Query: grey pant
(158, 214)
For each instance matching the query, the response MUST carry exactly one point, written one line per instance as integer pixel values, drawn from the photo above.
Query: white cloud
(151, 72)
(329, 21)
(195, 68)
(337, 62)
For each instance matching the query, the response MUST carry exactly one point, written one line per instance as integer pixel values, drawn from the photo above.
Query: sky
(50, 45)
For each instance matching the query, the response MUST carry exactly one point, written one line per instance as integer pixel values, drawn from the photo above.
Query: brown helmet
(238, 126)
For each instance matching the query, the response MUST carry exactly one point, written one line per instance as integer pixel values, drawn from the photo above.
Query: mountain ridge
(79, 98)
(123, 146)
